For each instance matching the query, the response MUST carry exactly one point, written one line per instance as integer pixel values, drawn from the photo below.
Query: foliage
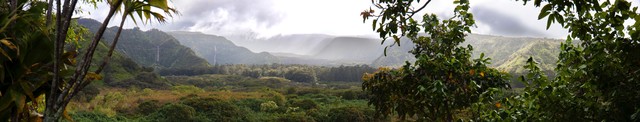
(268, 106)
(348, 114)
(148, 106)
(300, 72)
(174, 112)
(25, 60)
(305, 104)
(95, 117)
(182, 89)
(596, 80)
(142, 47)
(216, 110)
(300, 75)
(443, 79)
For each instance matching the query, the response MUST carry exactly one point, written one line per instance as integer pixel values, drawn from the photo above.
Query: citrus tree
(444, 81)
(597, 78)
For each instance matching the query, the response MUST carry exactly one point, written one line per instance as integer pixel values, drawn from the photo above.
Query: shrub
(184, 89)
(88, 93)
(347, 114)
(305, 104)
(276, 97)
(95, 117)
(148, 106)
(174, 113)
(268, 106)
(216, 110)
(295, 117)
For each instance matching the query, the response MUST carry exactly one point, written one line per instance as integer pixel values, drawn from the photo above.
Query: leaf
(161, 4)
(375, 22)
(8, 44)
(549, 21)
(385, 50)
(66, 116)
(5, 54)
(545, 11)
(93, 76)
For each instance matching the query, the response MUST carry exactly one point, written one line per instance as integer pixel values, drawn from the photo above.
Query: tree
(141, 8)
(597, 79)
(27, 61)
(443, 80)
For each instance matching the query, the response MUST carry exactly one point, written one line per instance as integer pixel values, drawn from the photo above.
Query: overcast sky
(265, 18)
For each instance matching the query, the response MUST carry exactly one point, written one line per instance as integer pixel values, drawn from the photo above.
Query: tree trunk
(57, 101)
(51, 107)
(113, 45)
(49, 10)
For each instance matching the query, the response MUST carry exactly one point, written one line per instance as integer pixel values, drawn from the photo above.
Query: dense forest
(422, 67)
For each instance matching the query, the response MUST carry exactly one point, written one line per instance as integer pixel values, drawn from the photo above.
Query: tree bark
(113, 45)
(49, 10)
(56, 100)
(61, 34)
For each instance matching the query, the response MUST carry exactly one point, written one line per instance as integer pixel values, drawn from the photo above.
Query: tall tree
(25, 59)
(444, 79)
(27, 62)
(597, 78)
(144, 10)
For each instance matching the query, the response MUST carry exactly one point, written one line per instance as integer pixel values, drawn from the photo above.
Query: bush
(216, 110)
(174, 113)
(253, 104)
(182, 89)
(276, 97)
(295, 117)
(347, 114)
(148, 106)
(268, 106)
(95, 117)
(301, 76)
(353, 95)
(305, 104)
(88, 93)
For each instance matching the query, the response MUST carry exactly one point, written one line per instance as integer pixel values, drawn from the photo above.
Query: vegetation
(53, 68)
(443, 80)
(152, 48)
(298, 73)
(235, 101)
(596, 78)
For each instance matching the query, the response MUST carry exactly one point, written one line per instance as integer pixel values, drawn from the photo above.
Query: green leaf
(549, 21)
(545, 11)
(375, 22)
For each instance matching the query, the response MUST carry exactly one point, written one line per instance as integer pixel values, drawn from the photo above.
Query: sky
(266, 18)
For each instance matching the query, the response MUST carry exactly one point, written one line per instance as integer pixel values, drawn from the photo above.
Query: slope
(150, 48)
(349, 50)
(219, 50)
(506, 53)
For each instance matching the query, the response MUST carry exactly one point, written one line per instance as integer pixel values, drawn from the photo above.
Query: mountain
(508, 54)
(396, 55)
(149, 48)
(349, 50)
(299, 44)
(219, 50)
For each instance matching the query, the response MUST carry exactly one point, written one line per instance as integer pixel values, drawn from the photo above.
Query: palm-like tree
(145, 12)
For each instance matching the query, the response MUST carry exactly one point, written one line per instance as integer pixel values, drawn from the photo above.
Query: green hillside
(150, 48)
(507, 53)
